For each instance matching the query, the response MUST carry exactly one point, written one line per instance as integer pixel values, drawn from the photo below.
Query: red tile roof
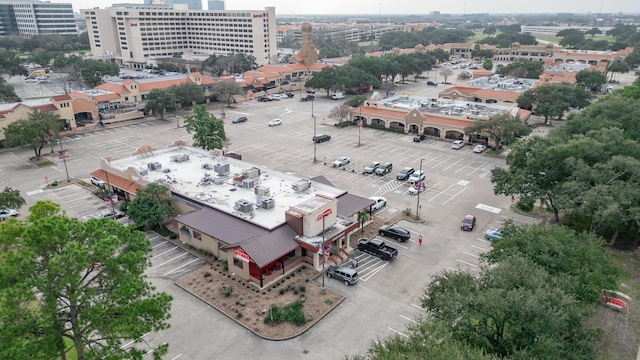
(61, 97)
(127, 185)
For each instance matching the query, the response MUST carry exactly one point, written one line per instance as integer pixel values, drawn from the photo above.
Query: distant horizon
(410, 7)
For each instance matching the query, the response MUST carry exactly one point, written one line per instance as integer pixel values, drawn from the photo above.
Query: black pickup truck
(377, 248)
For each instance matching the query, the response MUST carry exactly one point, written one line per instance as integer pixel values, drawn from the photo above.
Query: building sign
(240, 254)
(325, 213)
(133, 24)
(257, 16)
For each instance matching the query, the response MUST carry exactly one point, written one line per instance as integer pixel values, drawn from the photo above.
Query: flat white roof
(191, 173)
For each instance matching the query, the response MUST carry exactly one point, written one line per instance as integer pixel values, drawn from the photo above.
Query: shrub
(282, 291)
(295, 291)
(291, 313)
(55, 183)
(407, 211)
(302, 288)
(124, 206)
(225, 265)
(173, 236)
(328, 301)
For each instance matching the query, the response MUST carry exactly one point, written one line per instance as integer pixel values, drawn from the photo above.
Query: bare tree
(340, 113)
(446, 72)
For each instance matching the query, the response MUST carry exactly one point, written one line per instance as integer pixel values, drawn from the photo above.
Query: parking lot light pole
(419, 190)
(315, 160)
(64, 158)
(106, 174)
(323, 289)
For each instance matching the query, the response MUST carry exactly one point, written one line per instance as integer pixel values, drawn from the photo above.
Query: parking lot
(386, 299)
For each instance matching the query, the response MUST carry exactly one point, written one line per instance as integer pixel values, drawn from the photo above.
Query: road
(385, 301)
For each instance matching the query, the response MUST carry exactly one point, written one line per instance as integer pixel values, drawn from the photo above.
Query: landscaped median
(281, 311)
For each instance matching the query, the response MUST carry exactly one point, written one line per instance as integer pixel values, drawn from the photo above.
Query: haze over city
(392, 7)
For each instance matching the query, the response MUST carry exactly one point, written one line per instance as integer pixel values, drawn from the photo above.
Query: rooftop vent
(262, 190)
(221, 169)
(142, 171)
(301, 185)
(266, 203)
(154, 166)
(243, 206)
(248, 183)
(251, 173)
(179, 158)
(207, 166)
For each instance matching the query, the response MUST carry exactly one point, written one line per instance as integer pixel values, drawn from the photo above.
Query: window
(238, 263)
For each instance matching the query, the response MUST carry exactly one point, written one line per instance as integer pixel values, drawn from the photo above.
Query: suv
(419, 137)
(371, 168)
(321, 138)
(239, 119)
(306, 97)
(431, 83)
(345, 274)
(395, 232)
(468, 223)
(384, 169)
(457, 145)
(405, 173)
(97, 182)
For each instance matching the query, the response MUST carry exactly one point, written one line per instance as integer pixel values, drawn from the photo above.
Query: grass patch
(291, 313)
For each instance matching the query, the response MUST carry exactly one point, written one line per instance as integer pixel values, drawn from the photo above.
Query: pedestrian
(420, 239)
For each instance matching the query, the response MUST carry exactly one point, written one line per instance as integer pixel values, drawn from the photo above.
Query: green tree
(427, 339)
(617, 67)
(208, 131)
(513, 309)
(553, 100)
(633, 59)
(188, 93)
(356, 101)
(478, 53)
(406, 66)
(363, 216)
(92, 292)
(92, 71)
(593, 32)
(591, 79)
(11, 64)
(534, 171)
(151, 206)
(499, 129)
(326, 79)
(489, 30)
(631, 91)
(440, 55)
(529, 69)
(226, 91)
(43, 209)
(160, 101)
(7, 92)
(567, 32)
(487, 64)
(10, 198)
(11, 231)
(579, 262)
(36, 131)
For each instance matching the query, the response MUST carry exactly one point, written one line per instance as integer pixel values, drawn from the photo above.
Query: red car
(468, 223)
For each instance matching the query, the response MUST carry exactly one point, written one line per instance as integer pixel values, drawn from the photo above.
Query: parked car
(289, 95)
(417, 176)
(416, 188)
(111, 215)
(405, 173)
(395, 232)
(347, 275)
(493, 234)
(419, 137)
(371, 168)
(321, 138)
(432, 83)
(263, 99)
(479, 148)
(377, 248)
(384, 169)
(306, 97)
(337, 96)
(239, 119)
(468, 223)
(275, 122)
(311, 91)
(457, 145)
(30, 80)
(341, 161)
(97, 182)
(7, 213)
(379, 202)
(273, 97)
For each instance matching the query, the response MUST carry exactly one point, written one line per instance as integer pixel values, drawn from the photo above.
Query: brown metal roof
(349, 204)
(262, 245)
(322, 180)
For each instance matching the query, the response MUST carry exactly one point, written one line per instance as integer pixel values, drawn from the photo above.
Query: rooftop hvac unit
(243, 206)
(266, 203)
(251, 173)
(179, 158)
(154, 166)
(143, 171)
(248, 183)
(221, 169)
(262, 190)
(301, 185)
(207, 166)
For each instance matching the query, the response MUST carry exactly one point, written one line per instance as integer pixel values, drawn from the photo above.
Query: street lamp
(419, 190)
(322, 251)
(106, 174)
(360, 124)
(315, 160)
(63, 154)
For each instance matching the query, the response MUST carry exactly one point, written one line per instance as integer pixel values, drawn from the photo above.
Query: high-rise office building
(216, 4)
(29, 18)
(135, 34)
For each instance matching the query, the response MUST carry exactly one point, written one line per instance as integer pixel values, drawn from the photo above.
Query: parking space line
(162, 243)
(397, 332)
(464, 167)
(450, 268)
(475, 256)
(168, 261)
(419, 307)
(466, 263)
(370, 275)
(479, 248)
(484, 241)
(441, 192)
(447, 168)
(180, 267)
(176, 357)
(404, 247)
(452, 197)
(175, 247)
(406, 318)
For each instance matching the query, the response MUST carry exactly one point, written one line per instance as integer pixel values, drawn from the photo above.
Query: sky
(382, 7)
